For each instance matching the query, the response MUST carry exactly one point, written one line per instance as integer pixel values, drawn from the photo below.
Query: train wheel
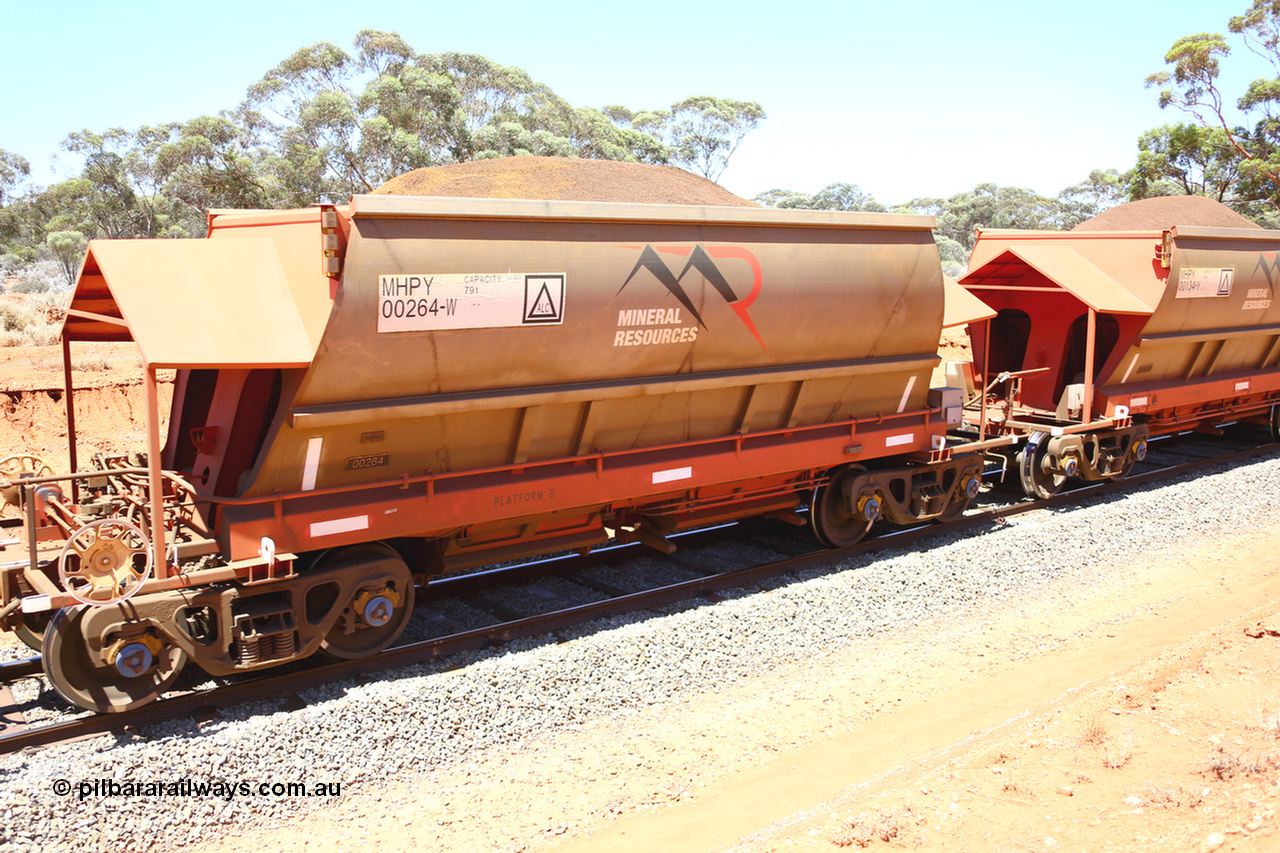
(832, 522)
(1036, 482)
(1275, 422)
(1137, 453)
(134, 671)
(32, 629)
(1129, 461)
(376, 613)
(959, 502)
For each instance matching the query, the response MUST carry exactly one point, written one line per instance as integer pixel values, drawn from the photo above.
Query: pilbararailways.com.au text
(186, 787)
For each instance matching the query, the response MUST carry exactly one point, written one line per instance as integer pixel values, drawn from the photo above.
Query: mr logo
(1269, 266)
(700, 260)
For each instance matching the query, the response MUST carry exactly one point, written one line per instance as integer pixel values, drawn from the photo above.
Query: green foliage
(985, 206)
(326, 123)
(837, 196)
(1185, 159)
(954, 256)
(13, 170)
(332, 124)
(988, 206)
(1103, 188)
(782, 198)
(705, 131)
(68, 247)
(1239, 164)
(118, 193)
(208, 162)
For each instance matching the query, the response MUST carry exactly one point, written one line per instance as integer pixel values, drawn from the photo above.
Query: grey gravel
(415, 720)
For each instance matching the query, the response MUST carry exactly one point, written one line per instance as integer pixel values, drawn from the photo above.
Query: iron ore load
(1103, 339)
(371, 394)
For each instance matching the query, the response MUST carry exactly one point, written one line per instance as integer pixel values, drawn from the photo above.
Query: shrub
(14, 317)
(24, 322)
(30, 285)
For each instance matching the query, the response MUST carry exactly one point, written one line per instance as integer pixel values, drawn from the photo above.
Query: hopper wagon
(1101, 340)
(371, 394)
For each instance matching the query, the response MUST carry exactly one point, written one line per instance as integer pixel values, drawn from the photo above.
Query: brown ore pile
(1158, 214)
(563, 179)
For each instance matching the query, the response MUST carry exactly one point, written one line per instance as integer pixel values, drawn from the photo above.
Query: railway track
(478, 593)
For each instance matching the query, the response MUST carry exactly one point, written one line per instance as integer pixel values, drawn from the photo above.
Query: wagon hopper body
(1104, 338)
(373, 393)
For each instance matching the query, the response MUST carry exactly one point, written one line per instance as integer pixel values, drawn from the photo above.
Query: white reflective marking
(267, 550)
(1132, 362)
(340, 525)
(672, 474)
(36, 604)
(895, 440)
(911, 383)
(1242, 386)
(1134, 402)
(312, 464)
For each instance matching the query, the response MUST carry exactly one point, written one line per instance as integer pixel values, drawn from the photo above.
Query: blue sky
(905, 99)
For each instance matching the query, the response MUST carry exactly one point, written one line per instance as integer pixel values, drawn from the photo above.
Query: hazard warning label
(543, 298)
(424, 303)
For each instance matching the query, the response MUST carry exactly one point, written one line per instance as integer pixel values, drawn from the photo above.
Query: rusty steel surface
(189, 303)
(1187, 321)
(962, 307)
(434, 504)
(610, 307)
(484, 335)
(273, 686)
(294, 234)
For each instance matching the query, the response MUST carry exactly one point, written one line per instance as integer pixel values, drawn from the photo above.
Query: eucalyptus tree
(1193, 85)
(341, 124)
(13, 171)
(1186, 159)
(212, 162)
(988, 206)
(118, 192)
(704, 131)
(325, 123)
(835, 196)
(68, 248)
(1103, 189)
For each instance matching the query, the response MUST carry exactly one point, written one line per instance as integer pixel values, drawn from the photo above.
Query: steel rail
(15, 669)
(276, 686)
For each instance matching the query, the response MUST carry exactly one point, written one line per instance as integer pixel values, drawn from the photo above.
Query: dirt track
(1144, 717)
(1142, 714)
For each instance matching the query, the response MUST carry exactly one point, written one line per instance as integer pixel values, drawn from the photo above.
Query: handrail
(406, 480)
